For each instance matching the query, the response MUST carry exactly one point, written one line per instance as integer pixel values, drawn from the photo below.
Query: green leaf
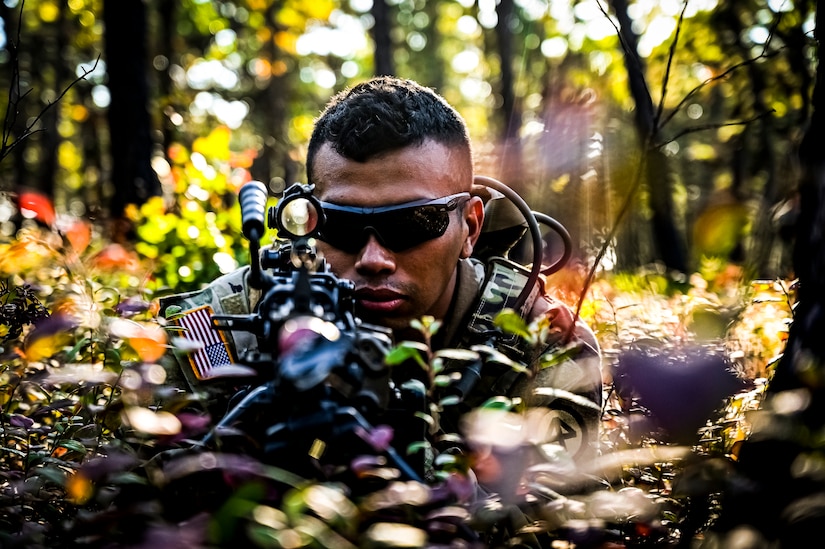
(15, 451)
(511, 322)
(457, 354)
(418, 446)
(127, 478)
(407, 350)
(566, 395)
(426, 417)
(173, 311)
(70, 356)
(442, 380)
(52, 474)
(498, 403)
(427, 325)
(73, 445)
(454, 438)
(494, 355)
(450, 400)
(445, 459)
(559, 355)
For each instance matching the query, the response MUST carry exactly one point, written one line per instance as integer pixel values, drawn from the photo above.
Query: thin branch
(614, 229)
(695, 129)
(764, 54)
(720, 76)
(14, 84)
(6, 148)
(670, 56)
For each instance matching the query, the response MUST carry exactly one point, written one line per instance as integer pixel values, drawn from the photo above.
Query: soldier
(391, 162)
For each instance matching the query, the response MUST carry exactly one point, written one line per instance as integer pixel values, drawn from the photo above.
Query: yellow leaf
(48, 338)
(154, 206)
(288, 17)
(287, 42)
(24, 255)
(215, 145)
(178, 153)
(719, 229)
(317, 9)
(48, 12)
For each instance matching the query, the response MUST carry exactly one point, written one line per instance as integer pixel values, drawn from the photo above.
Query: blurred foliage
(81, 421)
(237, 86)
(731, 81)
(193, 235)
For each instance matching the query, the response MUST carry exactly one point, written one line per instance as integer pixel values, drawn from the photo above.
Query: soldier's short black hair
(385, 114)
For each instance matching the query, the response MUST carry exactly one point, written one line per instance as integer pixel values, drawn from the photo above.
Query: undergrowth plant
(89, 429)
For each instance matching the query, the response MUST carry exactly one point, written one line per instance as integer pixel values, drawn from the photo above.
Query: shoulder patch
(214, 351)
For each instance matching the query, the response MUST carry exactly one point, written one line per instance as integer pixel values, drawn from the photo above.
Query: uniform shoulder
(227, 293)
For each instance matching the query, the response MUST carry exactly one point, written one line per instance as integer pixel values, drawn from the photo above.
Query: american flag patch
(215, 352)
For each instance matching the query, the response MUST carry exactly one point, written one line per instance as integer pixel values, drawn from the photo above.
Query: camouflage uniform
(571, 388)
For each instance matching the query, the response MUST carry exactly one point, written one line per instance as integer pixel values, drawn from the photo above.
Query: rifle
(321, 381)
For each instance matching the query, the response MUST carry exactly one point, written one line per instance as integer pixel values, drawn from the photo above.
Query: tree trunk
(273, 161)
(432, 63)
(504, 36)
(511, 161)
(669, 245)
(50, 138)
(167, 20)
(384, 65)
(806, 346)
(784, 486)
(133, 179)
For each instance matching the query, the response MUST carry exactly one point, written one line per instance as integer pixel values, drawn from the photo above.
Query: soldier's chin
(395, 323)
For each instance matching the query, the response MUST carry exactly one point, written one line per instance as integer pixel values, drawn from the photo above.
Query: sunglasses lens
(398, 230)
(413, 226)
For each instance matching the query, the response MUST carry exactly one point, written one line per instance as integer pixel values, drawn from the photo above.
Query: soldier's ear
(473, 221)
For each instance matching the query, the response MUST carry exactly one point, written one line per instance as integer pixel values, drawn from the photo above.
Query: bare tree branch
(16, 98)
(14, 85)
(670, 56)
(705, 127)
(765, 54)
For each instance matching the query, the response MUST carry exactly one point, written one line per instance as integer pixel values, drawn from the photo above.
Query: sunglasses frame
(450, 203)
(444, 204)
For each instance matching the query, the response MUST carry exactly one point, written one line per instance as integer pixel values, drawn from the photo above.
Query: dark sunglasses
(397, 227)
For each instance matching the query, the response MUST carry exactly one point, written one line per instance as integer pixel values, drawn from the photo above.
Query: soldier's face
(394, 287)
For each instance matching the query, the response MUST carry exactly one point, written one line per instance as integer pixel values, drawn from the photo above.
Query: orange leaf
(178, 153)
(36, 205)
(147, 339)
(79, 234)
(24, 254)
(79, 488)
(115, 257)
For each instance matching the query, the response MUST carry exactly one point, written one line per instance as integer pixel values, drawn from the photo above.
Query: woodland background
(558, 102)
(679, 143)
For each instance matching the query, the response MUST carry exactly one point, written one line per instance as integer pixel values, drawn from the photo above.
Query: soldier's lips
(381, 301)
